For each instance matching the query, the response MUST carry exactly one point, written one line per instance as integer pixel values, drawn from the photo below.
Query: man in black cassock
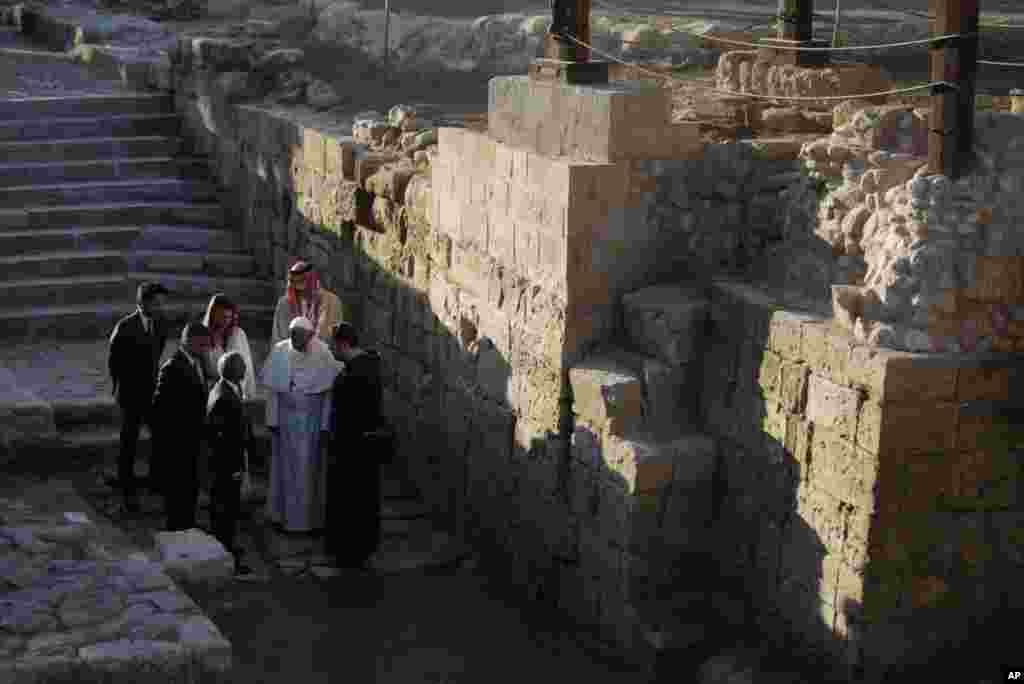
(230, 432)
(356, 452)
(179, 425)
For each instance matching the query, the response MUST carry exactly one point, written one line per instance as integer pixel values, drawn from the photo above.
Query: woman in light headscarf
(227, 335)
(299, 374)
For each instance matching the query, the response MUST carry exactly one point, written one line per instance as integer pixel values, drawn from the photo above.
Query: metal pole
(954, 61)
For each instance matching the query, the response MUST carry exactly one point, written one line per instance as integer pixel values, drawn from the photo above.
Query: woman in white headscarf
(298, 373)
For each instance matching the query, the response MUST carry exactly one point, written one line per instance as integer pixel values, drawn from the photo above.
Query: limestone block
(418, 200)
(605, 123)
(390, 182)
(198, 635)
(192, 556)
(607, 393)
(671, 397)
(340, 157)
(833, 406)
(127, 654)
(665, 321)
(647, 466)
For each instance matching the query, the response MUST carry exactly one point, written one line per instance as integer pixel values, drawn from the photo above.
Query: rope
(759, 96)
(907, 43)
(1001, 64)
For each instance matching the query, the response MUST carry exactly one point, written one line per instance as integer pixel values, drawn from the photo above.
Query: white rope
(759, 96)
(1002, 64)
(906, 43)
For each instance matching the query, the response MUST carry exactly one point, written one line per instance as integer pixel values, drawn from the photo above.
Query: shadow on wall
(777, 539)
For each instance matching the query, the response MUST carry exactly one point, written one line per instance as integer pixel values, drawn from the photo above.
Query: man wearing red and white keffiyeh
(307, 298)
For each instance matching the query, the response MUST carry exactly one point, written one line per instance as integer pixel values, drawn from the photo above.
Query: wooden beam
(951, 137)
(572, 16)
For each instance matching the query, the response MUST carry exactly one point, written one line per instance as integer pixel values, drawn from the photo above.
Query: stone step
(186, 274)
(86, 106)
(118, 126)
(47, 173)
(140, 190)
(400, 555)
(185, 214)
(100, 444)
(89, 419)
(172, 238)
(95, 321)
(665, 322)
(89, 149)
(669, 392)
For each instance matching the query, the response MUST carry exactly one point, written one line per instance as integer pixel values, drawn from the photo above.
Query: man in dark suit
(135, 348)
(179, 425)
(229, 433)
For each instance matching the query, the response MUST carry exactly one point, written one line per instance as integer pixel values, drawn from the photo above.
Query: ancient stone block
(999, 279)
(988, 384)
(832, 406)
(340, 157)
(907, 379)
(827, 352)
(786, 330)
(793, 387)
(665, 321)
(607, 393)
(193, 556)
(842, 470)
(366, 166)
(390, 182)
(917, 428)
(671, 394)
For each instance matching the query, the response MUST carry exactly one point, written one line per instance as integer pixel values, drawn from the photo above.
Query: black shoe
(241, 570)
(131, 505)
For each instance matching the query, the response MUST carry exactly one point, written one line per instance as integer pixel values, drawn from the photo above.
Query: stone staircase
(97, 194)
(637, 398)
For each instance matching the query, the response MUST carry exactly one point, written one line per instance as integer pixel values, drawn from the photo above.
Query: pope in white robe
(298, 373)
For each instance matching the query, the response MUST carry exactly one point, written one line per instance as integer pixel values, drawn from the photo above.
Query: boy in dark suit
(179, 425)
(135, 347)
(229, 434)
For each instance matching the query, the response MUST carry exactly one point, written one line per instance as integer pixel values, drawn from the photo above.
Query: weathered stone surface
(124, 653)
(194, 556)
(665, 321)
(606, 393)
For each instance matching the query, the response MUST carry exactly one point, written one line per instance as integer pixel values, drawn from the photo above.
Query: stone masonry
(77, 597)
(536, 362)
(868, 493)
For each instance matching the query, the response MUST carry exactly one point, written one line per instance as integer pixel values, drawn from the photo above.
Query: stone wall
(871, 501)
(926, 263)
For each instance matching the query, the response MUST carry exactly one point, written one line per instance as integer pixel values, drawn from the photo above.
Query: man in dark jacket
(230, 432)
(356, 452)
(179, 425)
(135, 348)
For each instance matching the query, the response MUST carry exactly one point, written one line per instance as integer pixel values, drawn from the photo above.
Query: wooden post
(951, 135)
(796, 29)
(565, 59)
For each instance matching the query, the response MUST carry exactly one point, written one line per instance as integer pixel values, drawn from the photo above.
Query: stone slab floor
(297, 620)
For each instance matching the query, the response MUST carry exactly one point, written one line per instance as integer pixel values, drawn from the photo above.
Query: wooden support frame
(955, 61)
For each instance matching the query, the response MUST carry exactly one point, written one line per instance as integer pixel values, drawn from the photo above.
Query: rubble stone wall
(871, 499)
(923, 263)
